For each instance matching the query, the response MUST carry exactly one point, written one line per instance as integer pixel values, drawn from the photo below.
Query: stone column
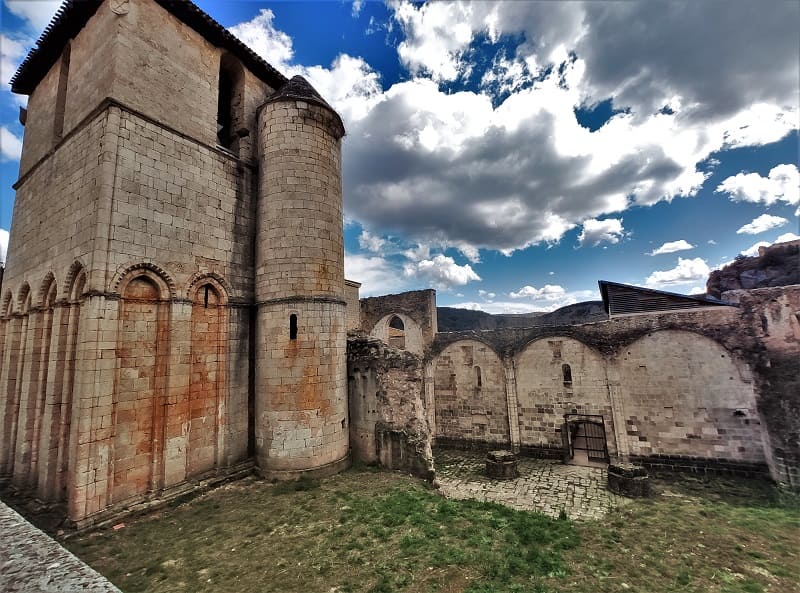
(511, 399)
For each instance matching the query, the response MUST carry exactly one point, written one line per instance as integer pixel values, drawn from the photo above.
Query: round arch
(698, 398)
(162, 281)
(213, 279)
(469, 393)
(75, 270)
(24, 298)
(47, 291)
(411, 332)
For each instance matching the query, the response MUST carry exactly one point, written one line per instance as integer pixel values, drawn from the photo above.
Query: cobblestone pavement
(32, 562)
(544, 485)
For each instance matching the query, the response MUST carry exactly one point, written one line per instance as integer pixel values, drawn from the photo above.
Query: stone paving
(32, 562)
(543, 485)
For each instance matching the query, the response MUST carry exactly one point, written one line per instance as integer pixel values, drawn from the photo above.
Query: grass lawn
(377, 532)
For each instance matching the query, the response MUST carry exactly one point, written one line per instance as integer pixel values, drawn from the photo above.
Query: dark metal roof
(73, 15)
(620, 299)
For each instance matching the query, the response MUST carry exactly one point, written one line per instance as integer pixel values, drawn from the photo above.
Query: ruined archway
(470, 395)
(559, 376)
(685, 395)
(399, 331)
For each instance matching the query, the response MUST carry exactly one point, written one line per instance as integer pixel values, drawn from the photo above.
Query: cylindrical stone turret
(301, 341)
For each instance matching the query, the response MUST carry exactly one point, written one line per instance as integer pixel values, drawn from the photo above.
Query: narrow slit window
(478, 378)
(205, 296)
(292, 326)
(566, 371)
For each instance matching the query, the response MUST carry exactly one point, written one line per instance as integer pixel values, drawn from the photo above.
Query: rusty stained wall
(386, 407)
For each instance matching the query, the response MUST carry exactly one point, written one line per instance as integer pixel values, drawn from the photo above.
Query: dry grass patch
(380, 532)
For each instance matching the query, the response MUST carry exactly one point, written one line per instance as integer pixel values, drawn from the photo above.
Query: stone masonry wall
(417, 305)
(469, 386)
(713, 388)
(545, 394)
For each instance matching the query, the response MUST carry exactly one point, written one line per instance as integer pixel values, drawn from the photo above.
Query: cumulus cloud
(752, 251)
(10, 145)
(3, 245)
(377, 275)
(782, 184)
(672, 247)
(761, 224)
(357, 6)
(687, 271)
(262, 37)
(370, 242)
(12, 50)
(596, 231)
(441, 272)
(38, 13)
(469, 171)
(548, 299)
(486, 295)
(548, 292)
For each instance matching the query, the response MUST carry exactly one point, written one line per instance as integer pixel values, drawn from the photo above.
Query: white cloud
(548, 300)
(441, 271)
(37, 12)
(548, 292)
(377, 275)
(3, 245)
(711, 242)
(10, 145)
(370, 242)
(487, 295)
(12, 50)
(782, 184)
(510, 166)
(752, 251)
(687, 271)
(596, 231)
(761, 224)
(672, 247)
(357, 6)
(262, 37)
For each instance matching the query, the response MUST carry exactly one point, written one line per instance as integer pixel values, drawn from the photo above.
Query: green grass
(383, 532)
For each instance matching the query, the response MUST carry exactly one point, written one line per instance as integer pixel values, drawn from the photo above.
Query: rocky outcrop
(776, 265)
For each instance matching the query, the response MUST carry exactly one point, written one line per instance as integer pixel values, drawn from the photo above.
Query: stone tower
(301, 383)
(175, 265)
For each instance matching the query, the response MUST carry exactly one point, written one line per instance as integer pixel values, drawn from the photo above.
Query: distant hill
(451, 319)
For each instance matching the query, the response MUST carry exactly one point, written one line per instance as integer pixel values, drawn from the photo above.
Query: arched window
(478, 378)
(567, 373)
(397, 333)
(292, 326)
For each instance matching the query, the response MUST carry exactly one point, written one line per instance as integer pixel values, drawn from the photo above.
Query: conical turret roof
(299, 89)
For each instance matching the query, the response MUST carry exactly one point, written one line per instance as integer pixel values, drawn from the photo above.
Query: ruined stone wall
(386, 407)
(547, 390)
(470, 395)
(684, 394)
(707, 389)
(419, 306)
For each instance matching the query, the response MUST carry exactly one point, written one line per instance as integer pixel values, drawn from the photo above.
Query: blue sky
(510, 154)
